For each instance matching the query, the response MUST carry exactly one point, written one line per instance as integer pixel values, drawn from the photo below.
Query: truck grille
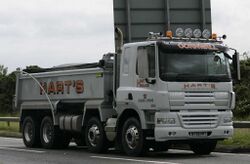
(199, 100)
(199, 121)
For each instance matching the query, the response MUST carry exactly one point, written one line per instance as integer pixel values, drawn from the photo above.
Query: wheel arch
(89, 113)
(37, 114)
(96, 108)
(38, 110)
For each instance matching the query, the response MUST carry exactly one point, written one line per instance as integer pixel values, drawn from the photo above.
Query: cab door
(146, 77)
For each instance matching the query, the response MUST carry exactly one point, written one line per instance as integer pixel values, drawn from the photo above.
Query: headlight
(227, 120)
(170, 121)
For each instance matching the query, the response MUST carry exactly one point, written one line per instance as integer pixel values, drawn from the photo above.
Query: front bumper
(179, 133)
(192, 126)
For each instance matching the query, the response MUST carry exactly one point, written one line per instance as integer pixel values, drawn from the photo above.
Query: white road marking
(22, 150)
(13, 139)
(217, 153)
(133, 160)
(230, 154)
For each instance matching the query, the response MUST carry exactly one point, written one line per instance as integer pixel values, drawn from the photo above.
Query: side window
(125, 68)
(151, 59)
(145, 64)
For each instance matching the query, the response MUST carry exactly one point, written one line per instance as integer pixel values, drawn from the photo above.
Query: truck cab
(178, 90)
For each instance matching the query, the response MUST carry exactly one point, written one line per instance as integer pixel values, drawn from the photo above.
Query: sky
(54, 32)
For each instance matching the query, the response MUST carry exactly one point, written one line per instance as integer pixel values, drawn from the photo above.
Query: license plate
(198, 134)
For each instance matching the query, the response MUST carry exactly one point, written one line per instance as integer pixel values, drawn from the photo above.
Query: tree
(7, 90)
(3, 70)
(33, 69)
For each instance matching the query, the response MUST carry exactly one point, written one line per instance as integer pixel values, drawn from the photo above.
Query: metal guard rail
(236, 124)
(9, 119)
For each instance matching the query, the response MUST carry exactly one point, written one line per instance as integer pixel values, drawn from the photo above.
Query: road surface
(12, 151)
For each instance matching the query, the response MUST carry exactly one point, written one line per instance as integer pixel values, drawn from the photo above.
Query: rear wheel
(95, 136)
(30, 132)
(51, 136)
(133, 140)
(203, 148)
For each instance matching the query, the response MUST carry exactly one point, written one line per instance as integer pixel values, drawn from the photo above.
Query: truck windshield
(199, 66)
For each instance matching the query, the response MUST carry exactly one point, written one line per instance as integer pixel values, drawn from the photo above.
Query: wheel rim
(132, 137)
(47, 132)
(28, 132)
(93, 135)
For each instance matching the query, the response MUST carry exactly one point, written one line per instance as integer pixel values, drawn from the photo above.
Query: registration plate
(198, 134)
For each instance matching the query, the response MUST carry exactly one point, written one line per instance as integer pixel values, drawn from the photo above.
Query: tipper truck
(148, 95)
(169, 88)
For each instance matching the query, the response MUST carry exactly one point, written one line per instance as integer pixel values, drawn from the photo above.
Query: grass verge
(9, 130)
(241, 139)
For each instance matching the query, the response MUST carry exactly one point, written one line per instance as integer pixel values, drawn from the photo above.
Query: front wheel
(203, 148)
(95, 136)
(133, 140)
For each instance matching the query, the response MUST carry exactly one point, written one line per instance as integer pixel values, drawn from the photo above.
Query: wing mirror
(236, 66)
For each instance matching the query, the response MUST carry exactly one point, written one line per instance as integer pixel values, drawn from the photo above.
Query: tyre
(30, 132)
(95, 136)
(203, 148)
(133, 140)
(51, 137)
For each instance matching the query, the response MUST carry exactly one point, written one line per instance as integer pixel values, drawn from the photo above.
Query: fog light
(171, 133)
(197, 33)
(206, 34)
(188, 33)
(169, 121)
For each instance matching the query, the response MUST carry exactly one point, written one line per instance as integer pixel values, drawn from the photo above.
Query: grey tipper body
(97, 85)
(148, 96)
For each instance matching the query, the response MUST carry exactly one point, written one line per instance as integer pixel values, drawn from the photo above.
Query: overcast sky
(53, 32)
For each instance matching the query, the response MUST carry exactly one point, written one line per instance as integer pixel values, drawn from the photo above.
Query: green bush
(7, 90)
(242, 90)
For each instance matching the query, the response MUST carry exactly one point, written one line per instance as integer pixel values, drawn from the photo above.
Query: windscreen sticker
(197, 46)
